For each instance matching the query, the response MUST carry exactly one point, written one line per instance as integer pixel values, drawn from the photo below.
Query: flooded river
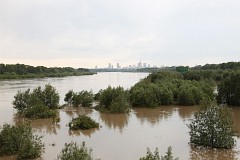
(121, 136)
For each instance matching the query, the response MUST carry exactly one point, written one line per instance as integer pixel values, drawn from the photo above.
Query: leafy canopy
(20, 141)
(212, 126)
(38, 103)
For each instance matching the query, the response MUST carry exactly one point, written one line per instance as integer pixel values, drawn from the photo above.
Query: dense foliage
(166, 88)
(209, 75)
(38, 103)
(222, 66)
(82, 122)
(19, 71)
(229, 89)
(156, 156)
(212, 126)
(72, 151)
(114, 100)
(20, 141)
(83, 98)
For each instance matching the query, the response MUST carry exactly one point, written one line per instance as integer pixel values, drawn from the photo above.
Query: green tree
(185, 95)
(21, 101)
(86, 98)
(51, 97)
(83, 98)
(145, 95)
(37, 104)
(72, 151)
(229, 90)
(212, 126)
(114, 100)
(69, 97)
(82, 122)
(19, 140)
(156, 156)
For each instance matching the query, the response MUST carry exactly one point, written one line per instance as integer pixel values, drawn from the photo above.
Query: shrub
(145, 95)
(82, 122)
(114, 100)
(83, 98)
(21, 101)
(20, 141)
(72, 151)
(37, 104)
(69, 97)
(212, 126)
(39, 111)
(156, 156)
(229, 90)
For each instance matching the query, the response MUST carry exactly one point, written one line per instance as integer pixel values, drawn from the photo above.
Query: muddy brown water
(121, 136)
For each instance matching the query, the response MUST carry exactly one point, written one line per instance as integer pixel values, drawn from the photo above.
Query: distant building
(144, 65)
(118, 66)
(139, 65)
(110, 66)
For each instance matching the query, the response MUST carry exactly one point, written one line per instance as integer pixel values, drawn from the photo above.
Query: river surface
(121, 136)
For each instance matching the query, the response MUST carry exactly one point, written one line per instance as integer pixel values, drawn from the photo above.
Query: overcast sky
(86, 33)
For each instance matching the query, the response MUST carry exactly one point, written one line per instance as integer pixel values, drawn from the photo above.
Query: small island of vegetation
(82, 122)
(40, 103)
(72, 151)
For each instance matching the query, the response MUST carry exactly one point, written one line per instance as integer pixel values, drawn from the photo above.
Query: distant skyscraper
(118, 66)
(109, 65)
(144, 65)
(139, 65)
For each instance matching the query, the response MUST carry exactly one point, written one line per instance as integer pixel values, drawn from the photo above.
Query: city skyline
(139, 64)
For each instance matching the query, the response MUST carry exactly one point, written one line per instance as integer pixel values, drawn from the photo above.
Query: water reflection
(186, 112)
(40, 125)
(200, 153)
(236, 120)
(115, 120)
(75, 111)
(87, 133)
(155, 115)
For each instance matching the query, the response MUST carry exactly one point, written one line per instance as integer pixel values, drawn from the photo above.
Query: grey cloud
(161, 32)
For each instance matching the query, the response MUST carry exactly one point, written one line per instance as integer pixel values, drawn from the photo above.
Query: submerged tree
(83, 98)
(114, 100)
(69, 97)
(229, 90)
(72, 151)
(156, 156)
(82, 122)
(212, 126)
(20, 141)
(38, 103)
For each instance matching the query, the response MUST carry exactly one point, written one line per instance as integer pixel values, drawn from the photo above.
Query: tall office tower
(139, 65)
(118, 66)
(109, 66)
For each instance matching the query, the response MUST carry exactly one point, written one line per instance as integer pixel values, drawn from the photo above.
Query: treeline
(222, 66)
(22, 71)
(212, 72)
